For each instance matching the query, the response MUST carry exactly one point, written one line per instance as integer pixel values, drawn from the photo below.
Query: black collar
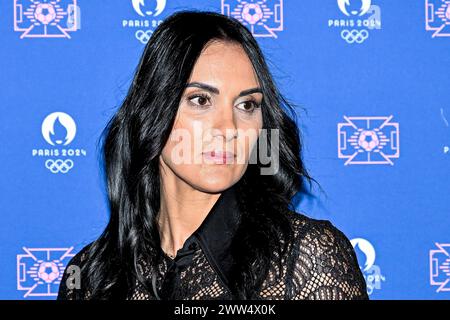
(214, 236)
(217, 231)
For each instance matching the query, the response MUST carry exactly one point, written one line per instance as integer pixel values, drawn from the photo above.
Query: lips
(219, 156)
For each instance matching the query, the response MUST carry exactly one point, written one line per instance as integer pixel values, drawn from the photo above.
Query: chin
(214, 186)
(214, 183)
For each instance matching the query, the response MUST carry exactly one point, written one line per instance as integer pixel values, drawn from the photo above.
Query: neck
(183, 209)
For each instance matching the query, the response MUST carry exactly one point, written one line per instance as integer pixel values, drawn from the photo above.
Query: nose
(225, 124)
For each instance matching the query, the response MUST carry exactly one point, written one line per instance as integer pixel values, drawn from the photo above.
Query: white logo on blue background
(362, 17)
(59, 130)
(139, 4)
(372, 272)
(146, 22)
(61, 121)
(365, 6)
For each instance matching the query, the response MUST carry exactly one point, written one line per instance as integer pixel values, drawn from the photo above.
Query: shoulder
(321, 239)
(323, 259)
(315, 231)
(70, 286)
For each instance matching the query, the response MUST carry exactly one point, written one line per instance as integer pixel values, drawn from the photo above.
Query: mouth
(219, 157)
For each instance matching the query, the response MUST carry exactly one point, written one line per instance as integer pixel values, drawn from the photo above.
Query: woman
(196, 212)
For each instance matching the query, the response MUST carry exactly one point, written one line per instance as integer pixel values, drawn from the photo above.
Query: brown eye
(248, 106)
(202, 100)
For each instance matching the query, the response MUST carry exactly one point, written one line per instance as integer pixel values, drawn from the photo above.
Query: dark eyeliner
(255, 106)
(198, 95)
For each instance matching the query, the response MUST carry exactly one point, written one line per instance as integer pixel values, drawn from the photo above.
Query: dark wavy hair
(135, 136)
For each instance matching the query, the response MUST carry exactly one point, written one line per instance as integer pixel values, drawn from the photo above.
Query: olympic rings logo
(143, 36)
(352, 36)
(59, 165)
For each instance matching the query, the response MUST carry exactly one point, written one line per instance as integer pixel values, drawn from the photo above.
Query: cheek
(180, 139)
(249, 138)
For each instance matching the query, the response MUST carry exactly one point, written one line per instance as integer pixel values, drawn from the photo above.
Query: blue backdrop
(373, 76)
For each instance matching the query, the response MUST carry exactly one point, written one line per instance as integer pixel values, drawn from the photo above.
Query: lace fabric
(320, 264)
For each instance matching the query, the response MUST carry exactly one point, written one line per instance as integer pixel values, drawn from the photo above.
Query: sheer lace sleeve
(323, 264)
(70, 287)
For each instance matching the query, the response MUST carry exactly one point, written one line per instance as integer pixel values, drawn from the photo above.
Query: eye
(248, 106)
(202, 98)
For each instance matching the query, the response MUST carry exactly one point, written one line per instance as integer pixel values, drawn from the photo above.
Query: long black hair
(135, 136)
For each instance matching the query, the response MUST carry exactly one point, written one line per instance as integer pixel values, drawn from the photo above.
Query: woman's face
(218, 120)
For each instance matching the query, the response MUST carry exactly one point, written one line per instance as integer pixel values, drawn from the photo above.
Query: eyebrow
(214, 90)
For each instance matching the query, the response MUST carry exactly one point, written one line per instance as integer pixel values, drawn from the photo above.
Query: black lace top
(320, 263)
